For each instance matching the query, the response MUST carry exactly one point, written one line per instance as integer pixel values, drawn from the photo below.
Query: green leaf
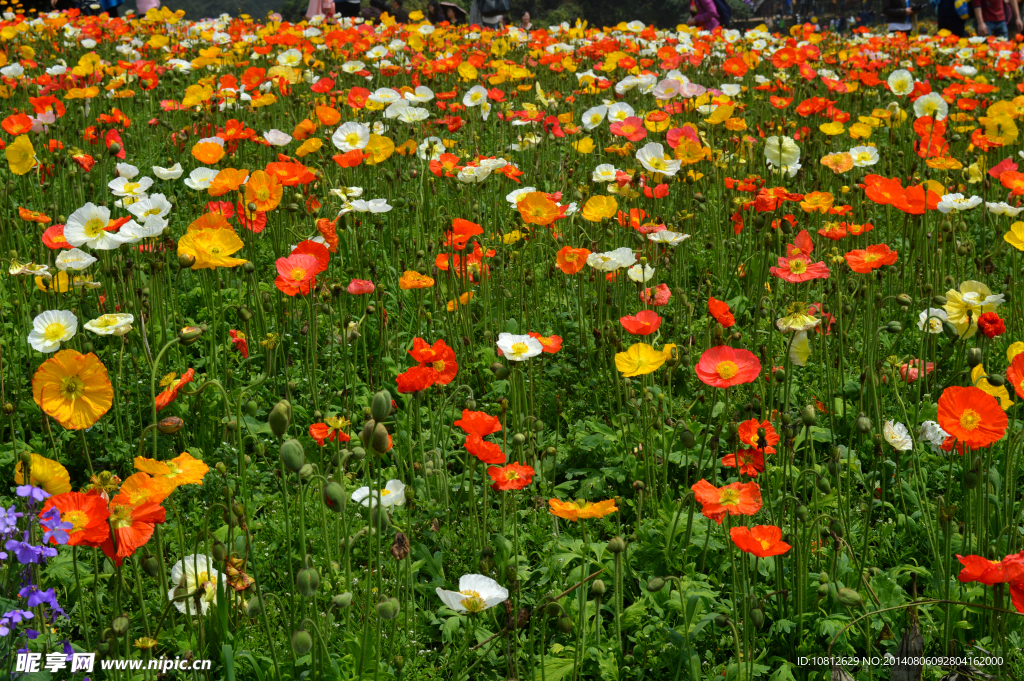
(556, 669)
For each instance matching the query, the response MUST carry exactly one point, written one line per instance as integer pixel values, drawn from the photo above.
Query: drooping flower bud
(850, 598)
(334, 496)
(381, 406)
(302, 642)
(292, 455)
(280, 418)
(170, 425)
(380, 441)
(307, 581)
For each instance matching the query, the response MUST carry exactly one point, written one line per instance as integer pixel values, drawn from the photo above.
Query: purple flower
(54, 527)
(8, 520)
(27, 553)
(33, 494)
(11, 618)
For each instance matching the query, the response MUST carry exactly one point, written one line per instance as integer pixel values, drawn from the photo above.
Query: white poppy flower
(932, 318)
(957, 202)
(351, 136)
(476, 96)
(51, 328)
(73, 259)
(200, 179)
(594, 116)
(781, 152)
(87, 226)
(604, 173)
(1003, 208)
(476, 593)
(121, 186)
(641, 274)
(519, 348)
(668, 238)
(111, 324)
(276, 138)
(393, 494)
(864, 156)
(896, 434)
(126, 170)
(194, 573)
(901, 83)
(154, 205)
(172, 173)
(652, 157)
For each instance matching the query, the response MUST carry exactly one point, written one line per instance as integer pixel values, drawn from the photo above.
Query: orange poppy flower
(817, 201)
(760, 540)
(329, 231)
(303, 129)
(735, 499)
(537, 208)
(170, 384)
(132, 527)
(208, 152)
(181, 470)
(571, 260)
(333, 429)
(227, 180)
(414, 280)
(723, 366)
(720, 311)
(871, 258)
(416, 379)
(511, 477)
(461, 232)
(643, 323)
(971, 416)
(327, 116)
(296, 274)
(264, 190)
(838, 163)
(33, 216)
(580, 509)
(882, 190)
(438, 357)
(87, 514)
(140, 488)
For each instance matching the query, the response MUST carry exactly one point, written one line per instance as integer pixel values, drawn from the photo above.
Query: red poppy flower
(991, 325)
(478, 423)
(488, 452)
(296, 274)
(461, 232)
(87, 514)
(735, 499)
(333, 429)
(439, 357)
(971, 416)
(749, 461)
(749, 436)
(802, 245)
(723, 367)
(359, 287)
(720, 311)
(657, 296)
(760, 540)
(53, 238)
(643, 323)
(416, 379)
(871, 258)
(511, 477)
(1015, 374)
(170, 385)
(549, 344)
(132, 527)
(240, 342)
(799, 269)
(978, 569)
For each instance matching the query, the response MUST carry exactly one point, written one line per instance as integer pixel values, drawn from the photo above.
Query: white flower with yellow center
(668, 238)
(620, 111)
(122, 186)
(476, 96)
(351, 67)
(87, 226)
(351, 136)
(111, 324)
(864, 156)
(276, 138)
(604, 173)
(901, 83)
(652, 157)
(200, 178)
(189, 575)
(154, 205)
(519, 348)
(957, 203)
(781, 152)
(51, 328)
(476, 593)
(73, 259)
(172, 173)
(931, 319)
(290, 58)
(1003, 208)
(896, 434)
(641, 274)
(594, 116)
(932, 104)
(393, 494)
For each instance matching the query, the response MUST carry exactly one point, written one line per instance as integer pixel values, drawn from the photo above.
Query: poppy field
(365, 350)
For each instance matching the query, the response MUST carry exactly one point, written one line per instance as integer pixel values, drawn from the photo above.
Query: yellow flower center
(54, 332)
(727, 369)
(765, 544)
(520, 349)
(130, 187)
(168, 380)
(438, 366)
(94, 228)
(151, 211)
(298, 273)
(72, 387)
(262, 194)
(78, 520)
(797, 266)
(120, 516)
(730, 497)
(970, 419)
(511, 475)
(352, 139)
(473, 601)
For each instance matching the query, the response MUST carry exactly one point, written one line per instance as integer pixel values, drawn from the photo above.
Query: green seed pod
(687, 439)
(387, 610)
(366, 435)
(380, 439)
(280, 418)
(850, 598)
(518, 439)
(757, 617)
(379, 517)
(823, 577)
(780, 375)
(302, 642)
(971, 480)
(997, 380)
(307, 581)
(823, 485)
(974, 357)
(894, 327)
(499, 370)
(251, 408)
(553, 609)
(801, 513)
(219, 551)
(904, 300)
(292, 455)
(836, 527)
(307, 471)
(617, 545)
(565, 625)
(823, 591)
(721, 620)
(334, 496)
(863, 424)
(949, 331)
(381, 406)
(170, 425)
(120, 625)
(598, 588)
(254, 608)
(656, 584)
(150, 565)
(341, 601)
(809, 416)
